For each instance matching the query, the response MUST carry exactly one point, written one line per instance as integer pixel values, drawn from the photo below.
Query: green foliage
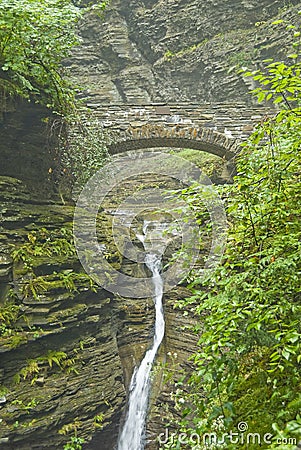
(74, 444)
(49, 244)
(11, 334)
(9, 314)
(210, 164)
(28, 372)
(169, 55)
(82, 150)
(13, 338)
(54, 357)
(3, 390)
(280, 81)
(71, 427)
(34, 366)
(45, 243)
(25, 406)
(242, 58)
(35, 36)
(64, 280)
(98, 420)
(248, 364)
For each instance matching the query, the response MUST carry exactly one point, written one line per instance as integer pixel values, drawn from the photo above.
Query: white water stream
(132, 435)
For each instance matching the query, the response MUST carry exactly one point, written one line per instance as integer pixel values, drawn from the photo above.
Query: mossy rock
(211, 165)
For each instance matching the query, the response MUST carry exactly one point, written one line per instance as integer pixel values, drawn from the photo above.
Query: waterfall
(132, 435)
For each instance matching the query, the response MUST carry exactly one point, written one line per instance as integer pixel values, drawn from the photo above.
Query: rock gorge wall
(26, 145)
(178, 50)
(104, 337)
(84, 326)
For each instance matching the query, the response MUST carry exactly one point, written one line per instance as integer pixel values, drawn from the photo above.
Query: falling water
(132, 435)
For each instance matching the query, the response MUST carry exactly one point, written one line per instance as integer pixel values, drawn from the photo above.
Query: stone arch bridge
(213, 128)
(216, 128)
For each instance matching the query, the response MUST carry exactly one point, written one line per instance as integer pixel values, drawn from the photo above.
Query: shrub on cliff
(35, 36)
(247, 370)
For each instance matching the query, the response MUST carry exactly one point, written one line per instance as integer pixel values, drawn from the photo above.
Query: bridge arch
(177, 136)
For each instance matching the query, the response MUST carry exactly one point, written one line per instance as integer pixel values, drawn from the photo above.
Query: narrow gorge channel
(133, 432)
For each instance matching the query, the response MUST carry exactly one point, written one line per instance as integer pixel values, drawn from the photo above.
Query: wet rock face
(177, 50)
(66, 366)
(25, 142)
(82, 324)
